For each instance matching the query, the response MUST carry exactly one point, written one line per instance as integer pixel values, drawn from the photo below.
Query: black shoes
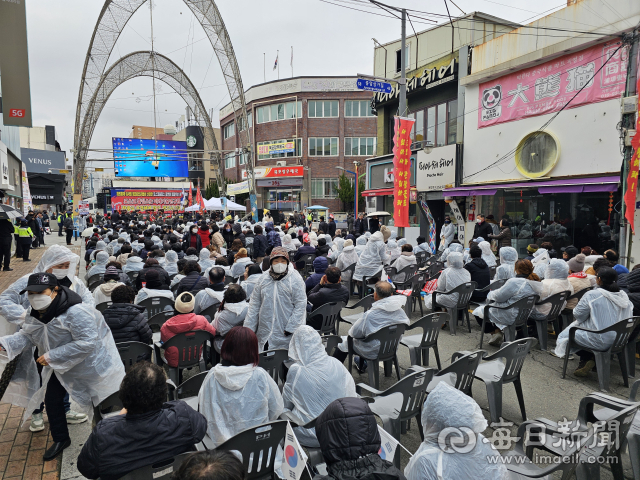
(56, 449)
(7, 269)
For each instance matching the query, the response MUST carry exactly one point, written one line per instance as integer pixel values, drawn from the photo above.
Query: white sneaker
(75, 417)
(496, 339)
(37, 422)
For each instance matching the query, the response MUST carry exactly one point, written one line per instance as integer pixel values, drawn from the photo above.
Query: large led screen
(139, 157)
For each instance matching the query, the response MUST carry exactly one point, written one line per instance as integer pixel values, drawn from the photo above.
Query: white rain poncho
(347, 258)
(454, 247)
(111, 246)
(145, 293)
(313, 239)
(596, 310)
(447, 234)
(540, 261)
(423, 247)
(401, 242)
(555, 281)
(336, 250)
(233, 399)
(512, 291)
(487, 254)
(13, 306)
(448, 408)
(454, 275)
(232, 316)
(327, 237)
(101, 265)
(372, 259)
(385, 312)
(403, 261)
(313, 382)
(79, 347)
(287, 243)
(134, 264)
(276, 307)
(361, 245)
(393, 250)
(250, 283)
(507, 267)
(101, 246)
(239, 266)
(156, 241)
(205, 261)
(171, 263)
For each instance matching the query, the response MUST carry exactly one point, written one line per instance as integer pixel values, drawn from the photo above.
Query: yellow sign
(276, 147)
(64, 171)
(99, 169)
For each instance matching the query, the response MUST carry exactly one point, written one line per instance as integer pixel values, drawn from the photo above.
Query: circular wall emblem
(537, 154)
(191, 141)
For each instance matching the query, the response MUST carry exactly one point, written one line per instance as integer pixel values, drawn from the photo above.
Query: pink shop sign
(546, 88)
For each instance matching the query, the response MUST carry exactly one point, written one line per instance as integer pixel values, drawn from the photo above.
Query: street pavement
(546, 395)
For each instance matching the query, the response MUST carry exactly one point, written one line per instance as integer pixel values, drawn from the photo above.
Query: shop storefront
(280, 188)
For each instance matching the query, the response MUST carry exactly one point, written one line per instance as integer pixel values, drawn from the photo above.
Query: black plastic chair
(273, 362)
(492, 286)
(228, 279)
(95, 283)
(495, 373)
(210, 311)
(622, 330)
(523, 308)
(492, 271)
(108, 407)
(155, 323)
(419, 345)
(308, 264)
(133, 276)
(258, 446)
(155, 305)
(464, 367)
(94, 278)
(162, 470)
(389, 338)
(567, 314)
(366, 303)
(464, 291)
(330, 312)
(434, 269)
(421, 258)
(192, 351)
(349, 283)
(133, 352)
(331, 343)
(188, 390)
(406, 273)
(556, 303)
(101, 307)
(415, 284)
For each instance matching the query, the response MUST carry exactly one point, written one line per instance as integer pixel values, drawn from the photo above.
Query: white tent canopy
(216, 204)
(213, 204)
(235, 206)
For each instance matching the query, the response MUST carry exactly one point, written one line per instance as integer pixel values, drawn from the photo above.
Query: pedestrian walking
(26, 237)
(68, 225)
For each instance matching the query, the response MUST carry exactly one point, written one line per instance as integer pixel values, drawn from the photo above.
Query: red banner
(144, 200)
(199, 199)
(632, 178)
(401, 170)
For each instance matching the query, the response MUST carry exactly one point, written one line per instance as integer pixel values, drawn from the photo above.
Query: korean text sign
(401, 170)
(134, 199)
(546, 88)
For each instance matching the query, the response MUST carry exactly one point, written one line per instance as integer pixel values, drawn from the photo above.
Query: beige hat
(185, 303)
(386, 232)
(348, 243)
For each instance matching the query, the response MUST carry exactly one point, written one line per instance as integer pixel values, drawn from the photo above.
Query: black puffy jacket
(260, 245)
(481, 274)
(632, 281)
(123, 443)
(350, 441)
(128, 323)
(237, 234)
(142, 277)
(192, 283)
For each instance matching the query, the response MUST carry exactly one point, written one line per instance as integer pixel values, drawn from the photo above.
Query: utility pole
(403, 65)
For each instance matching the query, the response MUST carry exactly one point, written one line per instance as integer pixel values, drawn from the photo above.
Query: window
(357, 108)
(230, 160)
(322, 108)
(323, 188)
(278, 111)
(229, 130)
(452, 129)
(359, 146)
(407, 50)
(323, 147)
(297, 153)
(243, 158)
(417, 132)
(241, 128)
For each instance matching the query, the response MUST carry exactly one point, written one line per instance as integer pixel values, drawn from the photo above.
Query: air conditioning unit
(281, 163)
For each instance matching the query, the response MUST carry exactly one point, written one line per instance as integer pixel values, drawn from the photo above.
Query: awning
(377, 193)
(569, 185)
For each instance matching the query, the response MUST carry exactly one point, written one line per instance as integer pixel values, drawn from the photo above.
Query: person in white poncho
(540, 262)
(313, 382)
(507, 267)
(406, 259)
(393, 250)
(171, 263)
(487, 254)
(555, 281)
(205, 261)
(213, 294)
(231, 313)
(372, 259)
(237, 394)
(447, 233)
(361, 245)
(101, 265)
(347, 258)
(449, 409)
(455, 246)
(596, 310)
(454, 275)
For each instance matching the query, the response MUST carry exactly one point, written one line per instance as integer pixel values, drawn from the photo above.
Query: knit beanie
(348, 243)
(111, 273)
(532, 248)
(576, 264)
(386, 232)
(278, 252)
(185, 303)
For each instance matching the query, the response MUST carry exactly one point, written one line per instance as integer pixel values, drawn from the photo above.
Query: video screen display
(138, 157)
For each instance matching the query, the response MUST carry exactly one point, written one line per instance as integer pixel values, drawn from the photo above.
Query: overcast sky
(326, 39)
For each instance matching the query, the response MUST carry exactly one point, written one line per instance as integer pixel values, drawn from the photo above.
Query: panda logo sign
(491, 108)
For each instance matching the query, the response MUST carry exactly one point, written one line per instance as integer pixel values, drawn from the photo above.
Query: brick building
(311, 125)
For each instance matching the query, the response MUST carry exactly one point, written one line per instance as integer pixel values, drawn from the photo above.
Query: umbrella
(377, 214)
(87, 232)
(317, 207)
(7, 212)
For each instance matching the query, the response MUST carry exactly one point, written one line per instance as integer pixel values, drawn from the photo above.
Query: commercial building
(436, 60)
(304, 128)
(541, 143)
(12, 169)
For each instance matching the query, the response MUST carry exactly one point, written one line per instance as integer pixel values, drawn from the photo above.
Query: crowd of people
(242, 283)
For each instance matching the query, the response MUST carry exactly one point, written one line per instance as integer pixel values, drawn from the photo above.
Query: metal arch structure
(112, 19)
(141, 64)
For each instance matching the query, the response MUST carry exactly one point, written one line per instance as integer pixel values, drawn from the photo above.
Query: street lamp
(355, 193)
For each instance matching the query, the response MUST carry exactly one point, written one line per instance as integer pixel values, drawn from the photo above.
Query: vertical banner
(254, 207)
(401, 169)
(190, 196)
(432, 226)
(459, 219)
(14, 64)
(26, 193)
(632, 178)
(199, 199)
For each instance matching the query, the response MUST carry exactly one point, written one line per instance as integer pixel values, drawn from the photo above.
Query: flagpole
(264, 66)
(278, 59)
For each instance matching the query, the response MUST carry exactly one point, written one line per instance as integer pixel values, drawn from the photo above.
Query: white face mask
(194, 230)
(60, 273)
(39, 301)
(279, 268)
